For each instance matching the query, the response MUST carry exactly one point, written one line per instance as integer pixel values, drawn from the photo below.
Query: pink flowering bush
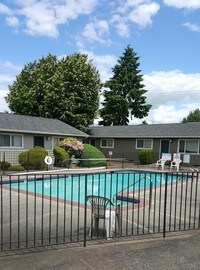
(72, 146)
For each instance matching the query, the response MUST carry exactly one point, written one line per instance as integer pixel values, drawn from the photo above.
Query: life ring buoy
(48, 160)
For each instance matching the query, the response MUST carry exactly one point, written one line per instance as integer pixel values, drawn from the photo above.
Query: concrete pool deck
(176, 252)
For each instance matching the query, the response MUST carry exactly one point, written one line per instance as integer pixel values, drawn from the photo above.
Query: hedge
(61, 157)
(146, 156)
(4, 165)
(33, 159)
(90, 151)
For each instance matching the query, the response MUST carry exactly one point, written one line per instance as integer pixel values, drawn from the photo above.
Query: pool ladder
(119, 195)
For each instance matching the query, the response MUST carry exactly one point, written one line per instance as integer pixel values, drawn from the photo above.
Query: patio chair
(175, 164)
(102, 208)
(161, 162)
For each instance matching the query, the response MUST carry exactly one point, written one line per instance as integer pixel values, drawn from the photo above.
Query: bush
(90, 151)
(146, 156)
(17, 168)
(33, 159)
(72, 146)
(61, 157)
(4, 165)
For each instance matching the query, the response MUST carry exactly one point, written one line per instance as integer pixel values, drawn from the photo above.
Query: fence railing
(48, 209)
(12, 158)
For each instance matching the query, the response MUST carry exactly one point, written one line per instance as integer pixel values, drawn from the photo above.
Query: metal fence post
(4, 160)
(85, 214)
(123, 162)
(165, 206)
(28, 161)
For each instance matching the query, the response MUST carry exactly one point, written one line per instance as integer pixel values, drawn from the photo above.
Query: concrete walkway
(180, 251)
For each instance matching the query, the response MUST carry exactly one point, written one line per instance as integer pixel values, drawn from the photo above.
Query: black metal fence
(39, 210)
(12, 158)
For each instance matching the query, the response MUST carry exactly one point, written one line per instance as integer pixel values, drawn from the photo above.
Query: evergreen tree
(193, 116)
(125, 96)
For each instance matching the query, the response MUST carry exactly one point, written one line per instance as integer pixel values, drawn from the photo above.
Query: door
(165, 146)
(39, 141)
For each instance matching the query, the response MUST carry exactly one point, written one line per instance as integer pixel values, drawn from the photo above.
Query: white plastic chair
(161, 162)
(101, 210)
(175, 164)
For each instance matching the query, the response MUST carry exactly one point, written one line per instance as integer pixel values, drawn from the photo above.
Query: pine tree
(125, 96)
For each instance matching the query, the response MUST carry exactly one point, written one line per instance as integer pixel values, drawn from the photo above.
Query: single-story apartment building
(127, 141)
(20, 132)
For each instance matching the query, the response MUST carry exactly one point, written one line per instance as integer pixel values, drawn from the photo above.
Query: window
(4, 140)
(93, 142)
(181, 146)
(107, 143)
(189, 146)
(16, 140)
(10, 140)
(144, 144)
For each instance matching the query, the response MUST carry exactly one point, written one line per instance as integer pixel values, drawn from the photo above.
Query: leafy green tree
(66, 89)
(125, 95)
(193, 116)
(144, 122)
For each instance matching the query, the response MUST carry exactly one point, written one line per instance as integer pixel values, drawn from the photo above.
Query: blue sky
(164, 33)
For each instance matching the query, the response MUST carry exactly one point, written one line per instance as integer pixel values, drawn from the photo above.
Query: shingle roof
(179, 130)
(38, 125)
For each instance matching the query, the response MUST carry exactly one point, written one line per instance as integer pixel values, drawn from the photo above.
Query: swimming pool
(75, 187)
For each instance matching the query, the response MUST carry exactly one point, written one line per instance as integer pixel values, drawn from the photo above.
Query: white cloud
(139, 12)
(185, 4)
(95, 31)
(10, 66)
(192, 26)
(12, 21)
(121, 25)
(43, 17)
(3, 104)
(123, 29)
(171, 113)
(5, 10)
(173, 95)
(4, 78)
(103, 63)
(130, 4)
(143, 14)
(8, 71)
(172, 86)
(4, 81)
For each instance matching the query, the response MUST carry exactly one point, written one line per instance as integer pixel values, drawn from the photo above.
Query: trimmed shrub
(17, 168)
(61, 157)
(33, 159)
(146, 156)
(90, 151)
(4, 165)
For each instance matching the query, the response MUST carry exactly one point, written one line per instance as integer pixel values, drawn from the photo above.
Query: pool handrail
(151, 185)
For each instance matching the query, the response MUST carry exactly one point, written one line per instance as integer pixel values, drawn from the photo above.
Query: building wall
(127, 148)
(11, 154)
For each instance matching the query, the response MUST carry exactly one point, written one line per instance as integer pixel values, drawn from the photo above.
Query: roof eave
(143, 136)
(45, 133)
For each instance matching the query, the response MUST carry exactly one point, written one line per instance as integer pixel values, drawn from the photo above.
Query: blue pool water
(73, 188)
